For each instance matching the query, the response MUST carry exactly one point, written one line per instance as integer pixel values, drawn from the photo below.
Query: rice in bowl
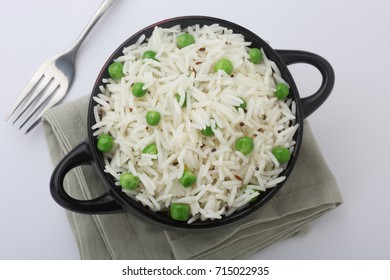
(202, 116)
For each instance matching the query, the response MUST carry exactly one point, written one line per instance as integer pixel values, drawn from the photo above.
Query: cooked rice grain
(227, 180)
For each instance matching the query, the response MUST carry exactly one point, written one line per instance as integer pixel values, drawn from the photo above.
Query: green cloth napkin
(310, 191)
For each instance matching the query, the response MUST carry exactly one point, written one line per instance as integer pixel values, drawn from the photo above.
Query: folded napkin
(310, 191)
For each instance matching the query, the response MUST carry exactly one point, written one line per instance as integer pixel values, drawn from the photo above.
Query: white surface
(351, 127)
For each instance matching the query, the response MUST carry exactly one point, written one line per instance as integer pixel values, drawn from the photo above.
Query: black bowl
(115, 201)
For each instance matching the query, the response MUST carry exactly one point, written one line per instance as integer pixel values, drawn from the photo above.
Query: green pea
(153, 118)
(187, 179)
(128, 181)
(245, 145)
(149, 54)
(105, 143)
(115, 70)
(178, 99)
(225, 65)
(282, 154)
(180, 212)
(137, 90)
(255, 55)
(243, 105)
(150, 149)
(207, 131)
(282, 91)
(184, 40)
(256, 197)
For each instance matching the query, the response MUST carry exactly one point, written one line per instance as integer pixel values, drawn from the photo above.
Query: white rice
(227, 180)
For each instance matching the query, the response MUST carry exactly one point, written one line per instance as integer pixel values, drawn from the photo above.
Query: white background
(352, 127)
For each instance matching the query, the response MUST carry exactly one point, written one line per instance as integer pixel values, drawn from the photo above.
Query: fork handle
(102, 9)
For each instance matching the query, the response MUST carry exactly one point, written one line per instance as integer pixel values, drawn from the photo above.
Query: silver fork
(51, 82)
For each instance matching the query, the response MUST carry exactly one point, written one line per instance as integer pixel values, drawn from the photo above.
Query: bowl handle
(103, 204)
(314, 101)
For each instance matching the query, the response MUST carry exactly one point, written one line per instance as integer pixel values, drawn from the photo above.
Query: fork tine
(49, 92)
(35, 123)
(37, 77)
(56, 98)
(43, 84)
